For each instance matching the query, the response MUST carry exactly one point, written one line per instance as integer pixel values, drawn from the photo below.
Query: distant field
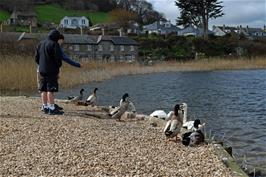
(4, 15)
(54, 13)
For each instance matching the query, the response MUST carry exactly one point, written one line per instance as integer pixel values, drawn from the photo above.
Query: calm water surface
(232, 103)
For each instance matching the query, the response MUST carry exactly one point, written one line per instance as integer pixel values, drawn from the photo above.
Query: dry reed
(19, 72)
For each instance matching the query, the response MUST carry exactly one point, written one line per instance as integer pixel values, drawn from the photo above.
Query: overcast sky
(237, 12)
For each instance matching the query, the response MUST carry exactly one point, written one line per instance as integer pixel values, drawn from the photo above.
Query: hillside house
(75, 22)
(247, 31)
(161, 27)
(23, 18)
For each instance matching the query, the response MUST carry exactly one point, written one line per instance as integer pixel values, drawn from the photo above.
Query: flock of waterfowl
(176, 126)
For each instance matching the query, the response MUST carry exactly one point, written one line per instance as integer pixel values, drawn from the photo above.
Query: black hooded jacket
(48, 55)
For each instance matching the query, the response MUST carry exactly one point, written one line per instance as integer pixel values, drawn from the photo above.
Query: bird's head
(81, 91)
(125, 97)
(197, 123)
(94, 91)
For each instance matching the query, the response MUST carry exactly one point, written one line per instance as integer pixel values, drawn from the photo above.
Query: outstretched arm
(70, 61)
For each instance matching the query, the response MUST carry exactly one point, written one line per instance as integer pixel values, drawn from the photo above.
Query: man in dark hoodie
(49, 58)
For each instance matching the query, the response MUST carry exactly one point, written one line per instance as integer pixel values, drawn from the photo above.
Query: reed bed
(18, 73)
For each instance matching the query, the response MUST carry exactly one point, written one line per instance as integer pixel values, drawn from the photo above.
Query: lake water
(232, 103)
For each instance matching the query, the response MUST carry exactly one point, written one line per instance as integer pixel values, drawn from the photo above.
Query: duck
(193, 138)
(173, 126)
(131, 106)
(76, 98)
(193, 125)
(120, 110)
(91, 100)
(190, 125)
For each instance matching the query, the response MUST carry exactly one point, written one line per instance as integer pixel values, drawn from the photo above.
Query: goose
(91, 100)
(120, 110)
(173, 126)
(76, 98)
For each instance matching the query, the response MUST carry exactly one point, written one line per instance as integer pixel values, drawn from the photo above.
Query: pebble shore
(77, 144)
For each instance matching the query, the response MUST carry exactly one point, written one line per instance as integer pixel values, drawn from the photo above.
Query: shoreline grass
(18, 73)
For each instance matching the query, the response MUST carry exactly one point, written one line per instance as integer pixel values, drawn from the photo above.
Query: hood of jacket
(54, 35)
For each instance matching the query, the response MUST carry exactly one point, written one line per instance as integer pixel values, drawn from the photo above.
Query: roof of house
(117, 40)
(81, 39)
(78, 39)
(23, 13)
(160, 25)
(77, 18)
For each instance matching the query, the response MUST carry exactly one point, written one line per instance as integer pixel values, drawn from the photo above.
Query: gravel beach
(77, 144)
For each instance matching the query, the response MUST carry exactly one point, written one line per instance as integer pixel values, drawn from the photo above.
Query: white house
(74, 22)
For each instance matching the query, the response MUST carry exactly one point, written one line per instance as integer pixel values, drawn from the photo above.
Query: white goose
(91, 100)
(120, 110)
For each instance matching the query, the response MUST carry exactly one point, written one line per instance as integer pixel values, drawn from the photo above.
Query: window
(111, 47)
(100, 48)
(89, 48)
(131, 48)
(76, 48)
(66, 22)
(122, 48)
(121, 57)
(83, 22)
(167, 25)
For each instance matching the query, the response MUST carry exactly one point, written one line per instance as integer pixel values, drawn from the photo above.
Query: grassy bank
(4, 15)
(54, 13)
(19, 72)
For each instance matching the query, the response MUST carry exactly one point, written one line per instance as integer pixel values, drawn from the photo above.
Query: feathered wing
(92, 99)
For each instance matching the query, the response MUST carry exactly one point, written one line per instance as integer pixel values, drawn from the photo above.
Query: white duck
(120, 110)
(91, 100)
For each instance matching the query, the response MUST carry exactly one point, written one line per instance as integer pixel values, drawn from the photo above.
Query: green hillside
(54, 13)
(4, 15)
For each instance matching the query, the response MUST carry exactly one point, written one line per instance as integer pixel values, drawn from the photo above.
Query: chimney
(30, 28)
(102, 31)
(224, 27)
(247, 28)
(120, 32)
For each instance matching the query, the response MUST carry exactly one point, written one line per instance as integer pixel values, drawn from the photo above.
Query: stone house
(88, 47)
(23, 18)
(75, 22)
(116, 48)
